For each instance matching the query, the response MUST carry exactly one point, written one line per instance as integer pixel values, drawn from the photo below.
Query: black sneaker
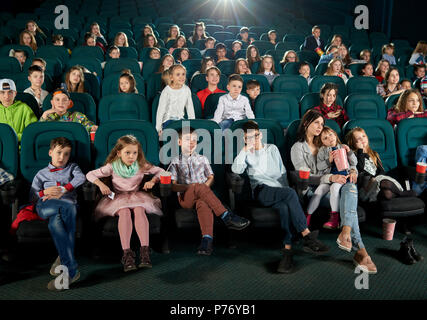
(235, 222)
(206, 246)
(312, 245)
(286, 265)
(414, 253)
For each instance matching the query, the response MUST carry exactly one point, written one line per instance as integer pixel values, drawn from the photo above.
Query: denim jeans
(285, 199)
(225, 124)
(166, 123)
(348, 213)
(62, 226)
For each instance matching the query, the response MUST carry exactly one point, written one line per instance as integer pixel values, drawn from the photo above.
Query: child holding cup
(332, 157)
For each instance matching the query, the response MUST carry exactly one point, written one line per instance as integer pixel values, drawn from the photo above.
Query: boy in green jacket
(14, 113)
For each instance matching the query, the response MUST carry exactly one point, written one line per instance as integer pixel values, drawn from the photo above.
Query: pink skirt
(108, 207)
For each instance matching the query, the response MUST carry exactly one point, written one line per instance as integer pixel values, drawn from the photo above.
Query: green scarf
(123, 170)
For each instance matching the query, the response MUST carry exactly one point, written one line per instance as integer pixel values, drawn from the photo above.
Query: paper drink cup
(304, 173)
(165, 178)
(388, 228)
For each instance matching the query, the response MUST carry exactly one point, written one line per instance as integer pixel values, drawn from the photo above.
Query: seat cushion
(264, 217)
(402, 207)
(36, 230)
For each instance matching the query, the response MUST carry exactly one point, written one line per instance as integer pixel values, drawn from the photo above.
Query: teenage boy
(233, 106)
(221, 52)
(20, 55)
(36, 77)
(253, 89)
(313, 42)
(54, 190)
(269, 184)
(193, 177)
(213, 75)
(14, 113)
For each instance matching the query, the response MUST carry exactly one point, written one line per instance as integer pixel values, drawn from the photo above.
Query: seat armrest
(8, 192)
(235, 182)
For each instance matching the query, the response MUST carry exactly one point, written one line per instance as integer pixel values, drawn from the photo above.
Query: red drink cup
(165, 178)
(421, 167)
(92, 136)
(341, 159)
(388, 228)
(304, 173)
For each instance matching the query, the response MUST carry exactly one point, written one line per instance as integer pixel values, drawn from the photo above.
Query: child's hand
(47, 112)
(104, 189)
(53, 191)
(347, 149)
(249, 147)
(332, 115)
(52, 197)
(160, 133)
(348, 71)
(149, 185)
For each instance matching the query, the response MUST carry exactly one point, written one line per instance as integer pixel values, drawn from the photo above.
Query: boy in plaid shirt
(192, 176)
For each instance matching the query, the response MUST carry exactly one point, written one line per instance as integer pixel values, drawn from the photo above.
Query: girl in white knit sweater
(174, 98)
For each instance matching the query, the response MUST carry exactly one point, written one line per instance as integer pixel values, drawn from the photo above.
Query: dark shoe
(312, 245)
(235, 222)
(53, 267)
(414, 253)
(128, 260)
(52, 286)
(206, 246)
(405, 253)
(144, 254)
(286, 265)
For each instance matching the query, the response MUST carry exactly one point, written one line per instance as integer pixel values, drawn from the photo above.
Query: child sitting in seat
(213, 75)
(388, 53)
(221, 52)
(20, 55)
(373, 183)
(409, 105)
(14, 113)
(233, 106)
(126, 165)
(175, 97)
(304, 71)
(127, 83)
(253, 89)
(329, 108)
(329, 143)
(268, 69)
(61, 102)
(54, 190)
(36, 77)
(193, 177)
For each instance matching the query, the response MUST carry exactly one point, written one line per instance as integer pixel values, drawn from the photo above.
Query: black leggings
(388, 190)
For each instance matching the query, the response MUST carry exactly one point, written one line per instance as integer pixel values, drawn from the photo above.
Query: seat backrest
(4, 50)
(86, 51)
(365, 106)
(8, 149)
(362, 85)
(110, 84)
(226, 67)
(108, 133)
(30, 101)
(123, 106)
(35, 145)
(264, 85)
(391, 101)
(320, 69)
(211, 103)
(291, 68)
(150, 67)
(9, 66)
(92, 64)
(294, 84)
(51, 51)
(263, 46)
(117, 65)
(82, 102)
(410, 133)
(309, 56)
(279, 106)
(381, 139)
(192, 65)
(154, 84)
(318, 81)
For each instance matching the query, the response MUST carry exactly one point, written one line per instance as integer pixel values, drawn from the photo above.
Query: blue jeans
(62, 226)
(166, 123)
(348, 213)
(284, 199)
(225, 124)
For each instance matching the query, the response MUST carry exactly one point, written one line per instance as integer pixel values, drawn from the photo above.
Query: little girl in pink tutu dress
(126, 165)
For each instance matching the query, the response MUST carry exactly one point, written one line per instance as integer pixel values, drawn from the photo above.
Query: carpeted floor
(245, 272)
